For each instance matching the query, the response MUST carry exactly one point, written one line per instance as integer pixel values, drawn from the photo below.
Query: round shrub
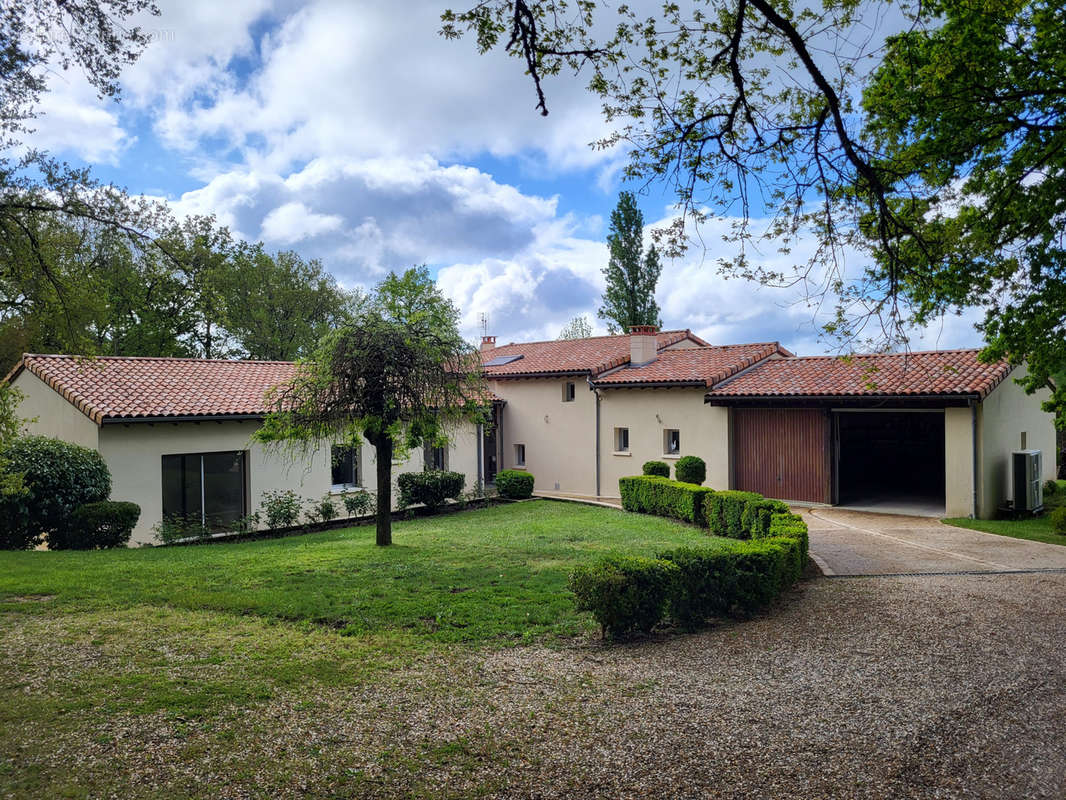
(690, 469)
(1058, 520)
(660, 468)
(96, 526)
(430, 488)
(625, 594)
(59, 477)
(514, 484)
(1050, 487)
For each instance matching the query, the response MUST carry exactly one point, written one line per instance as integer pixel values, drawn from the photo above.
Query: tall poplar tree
(632, 273)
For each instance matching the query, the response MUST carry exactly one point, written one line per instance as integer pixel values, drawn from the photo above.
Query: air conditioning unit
(1026, 476)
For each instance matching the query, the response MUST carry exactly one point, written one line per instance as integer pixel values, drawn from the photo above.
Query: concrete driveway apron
(857, 543)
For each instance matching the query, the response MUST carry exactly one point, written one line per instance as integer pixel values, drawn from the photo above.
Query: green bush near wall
(651, 494)
(514, 484)
(690, 469)
(755, 518)
(724, 512)
(625, 594)
(660, 468)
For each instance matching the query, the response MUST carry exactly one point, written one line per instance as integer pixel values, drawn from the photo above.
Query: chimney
(643, 345)
(488, 343)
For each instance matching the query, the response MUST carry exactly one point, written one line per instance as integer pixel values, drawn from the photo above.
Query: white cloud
(293, 222)
(72, 119)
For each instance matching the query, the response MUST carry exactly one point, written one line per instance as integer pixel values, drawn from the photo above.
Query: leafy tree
(398, 374)
(632, 273)
(577, 328)
(278, 306)
(933, 160)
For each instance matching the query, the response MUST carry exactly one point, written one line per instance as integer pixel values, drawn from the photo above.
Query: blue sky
(355, 134)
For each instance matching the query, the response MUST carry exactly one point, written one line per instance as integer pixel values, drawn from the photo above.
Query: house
(915, 432)
(176, 434)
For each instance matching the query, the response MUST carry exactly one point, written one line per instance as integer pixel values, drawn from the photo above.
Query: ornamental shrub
(765, 568)
(430, 488)
(725, 511)
(514, 484)
(281, 508)
(1058, 519)
(690, 469)
(326, 509)
(358, 503)
(58, 477)
(1050, 487)
(755, 518)
(96, 526)
(625, 594)
(650, 494)
(706, 584)
(660, 468)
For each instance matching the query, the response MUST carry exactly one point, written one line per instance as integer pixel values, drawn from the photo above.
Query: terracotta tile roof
(569, 356)
(108, 388)
(696, 366)
(937, 372)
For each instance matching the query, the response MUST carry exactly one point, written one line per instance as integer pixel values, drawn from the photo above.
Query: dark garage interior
(891, 460)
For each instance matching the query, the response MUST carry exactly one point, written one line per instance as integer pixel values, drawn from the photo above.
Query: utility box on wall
(1026, 476)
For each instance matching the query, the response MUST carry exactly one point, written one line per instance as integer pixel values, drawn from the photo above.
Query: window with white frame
(569, 392)
(436, 457)
(621, 440)
(344, 466)
(520, 455)
(671, 442)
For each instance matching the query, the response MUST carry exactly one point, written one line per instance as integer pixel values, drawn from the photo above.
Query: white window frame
(620, 434)
(675, 453)
(357, 468)
(569, 391)
(519, 455)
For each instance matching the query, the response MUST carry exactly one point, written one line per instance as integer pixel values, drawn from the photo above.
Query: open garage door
(891, 460)
(783, 453)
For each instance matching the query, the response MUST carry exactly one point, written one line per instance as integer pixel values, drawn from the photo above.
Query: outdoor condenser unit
(1026, 471)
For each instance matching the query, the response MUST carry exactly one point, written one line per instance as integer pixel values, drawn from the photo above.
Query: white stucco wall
(560, 437)
(647, 413)
(134, 452)
(958, 462)
(55, 416)
(1003, 417)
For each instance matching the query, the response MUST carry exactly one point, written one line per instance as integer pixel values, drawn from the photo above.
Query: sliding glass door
(205, 488)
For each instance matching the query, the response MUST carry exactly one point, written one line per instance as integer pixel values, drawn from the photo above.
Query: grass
(1036, 529)
(316, 665)
(496, 574)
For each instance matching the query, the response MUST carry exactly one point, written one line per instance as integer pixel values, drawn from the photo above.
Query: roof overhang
(829, 401)
(182, 418)
(650, 385)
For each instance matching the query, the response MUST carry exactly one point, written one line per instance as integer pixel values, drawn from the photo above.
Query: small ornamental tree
(398, 374)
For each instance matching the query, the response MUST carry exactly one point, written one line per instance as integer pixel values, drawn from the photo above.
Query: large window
(205, 488)
(344, 466)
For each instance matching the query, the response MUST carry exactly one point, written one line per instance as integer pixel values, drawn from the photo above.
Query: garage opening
(891, 461)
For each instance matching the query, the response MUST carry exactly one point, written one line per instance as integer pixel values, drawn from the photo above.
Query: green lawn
(316, 665)
(1037, 529)
(496, 574)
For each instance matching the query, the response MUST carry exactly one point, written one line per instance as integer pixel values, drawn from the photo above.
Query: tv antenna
(483, 323)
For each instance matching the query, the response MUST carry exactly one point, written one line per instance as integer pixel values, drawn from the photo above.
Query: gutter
(726, 399)
(592, 387)
(973, 438)
(650, 385)
(480, 456)
(184, 418)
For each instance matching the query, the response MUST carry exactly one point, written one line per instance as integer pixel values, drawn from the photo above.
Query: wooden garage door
(782, 453)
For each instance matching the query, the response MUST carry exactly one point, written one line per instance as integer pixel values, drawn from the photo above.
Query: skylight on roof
(499, 361)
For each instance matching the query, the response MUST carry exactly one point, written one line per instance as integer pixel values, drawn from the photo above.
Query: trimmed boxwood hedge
(755, 518)
(724, 512)
(625, 594)
(660, 468)
(514, 484)
(650, 494)
(430, 487)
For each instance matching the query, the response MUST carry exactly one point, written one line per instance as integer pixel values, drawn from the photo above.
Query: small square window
(520, 455)
(569, 392)
(671, 442)
(621, 440)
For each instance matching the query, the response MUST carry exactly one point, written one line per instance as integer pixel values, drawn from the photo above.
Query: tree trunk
(383, 459)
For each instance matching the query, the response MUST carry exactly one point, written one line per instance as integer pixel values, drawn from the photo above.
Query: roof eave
(729, 399)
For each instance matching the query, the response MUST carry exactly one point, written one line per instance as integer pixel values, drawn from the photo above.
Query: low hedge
(430, 488)
(660, 468)
(651, 494)
(755, 518)
(724, 512)
(97, 526)
(625, 594)
(514, 484)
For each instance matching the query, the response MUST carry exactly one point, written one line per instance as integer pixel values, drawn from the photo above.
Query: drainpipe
(480, 456)
(596, 392)
(973, 437)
